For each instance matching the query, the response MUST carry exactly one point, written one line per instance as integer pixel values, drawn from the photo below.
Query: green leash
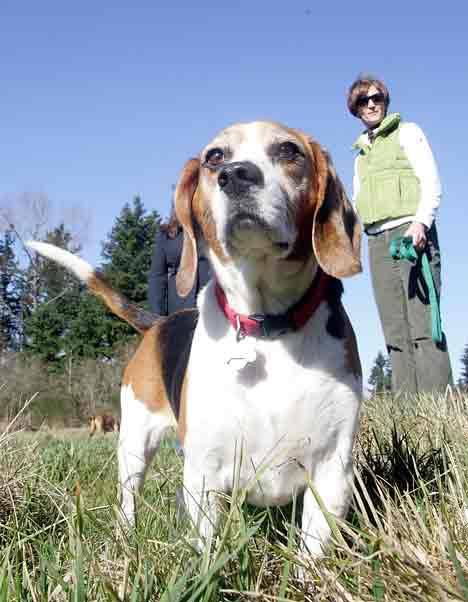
(402, 247)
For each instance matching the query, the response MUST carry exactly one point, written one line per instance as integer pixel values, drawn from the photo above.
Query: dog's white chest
(268, 420)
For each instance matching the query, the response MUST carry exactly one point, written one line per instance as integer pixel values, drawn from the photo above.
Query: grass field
(405, 538)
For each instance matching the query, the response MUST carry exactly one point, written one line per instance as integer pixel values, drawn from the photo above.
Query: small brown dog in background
(103, 423)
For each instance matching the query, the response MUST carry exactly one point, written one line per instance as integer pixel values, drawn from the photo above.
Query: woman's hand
(417, 231)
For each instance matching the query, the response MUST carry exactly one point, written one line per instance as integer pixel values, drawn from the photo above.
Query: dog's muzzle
(237, 179)
(247, 230)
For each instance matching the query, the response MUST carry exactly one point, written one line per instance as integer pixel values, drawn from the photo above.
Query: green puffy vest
(388, 186)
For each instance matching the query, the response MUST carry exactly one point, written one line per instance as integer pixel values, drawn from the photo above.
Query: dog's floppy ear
(184, 193)
(336, 234)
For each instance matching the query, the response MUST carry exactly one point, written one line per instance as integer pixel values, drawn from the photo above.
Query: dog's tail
(137, 317)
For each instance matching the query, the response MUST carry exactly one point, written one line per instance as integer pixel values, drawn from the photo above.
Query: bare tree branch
(33, 214)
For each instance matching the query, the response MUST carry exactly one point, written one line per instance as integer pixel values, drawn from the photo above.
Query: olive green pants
(418, 364)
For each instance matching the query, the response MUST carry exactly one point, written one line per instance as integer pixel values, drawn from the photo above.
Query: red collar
(271, 326)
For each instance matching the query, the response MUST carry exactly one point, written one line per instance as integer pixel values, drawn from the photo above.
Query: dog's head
(262, 189)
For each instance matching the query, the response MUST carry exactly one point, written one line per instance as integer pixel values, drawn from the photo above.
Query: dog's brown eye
(288, 150)
(214, 157)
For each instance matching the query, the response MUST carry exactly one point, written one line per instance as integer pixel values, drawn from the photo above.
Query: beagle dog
(103, 423)
(263, 382)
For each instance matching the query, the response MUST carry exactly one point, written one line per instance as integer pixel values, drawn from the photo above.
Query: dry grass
(405, 538)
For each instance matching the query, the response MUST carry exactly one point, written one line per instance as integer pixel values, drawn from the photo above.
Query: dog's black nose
(237, 178)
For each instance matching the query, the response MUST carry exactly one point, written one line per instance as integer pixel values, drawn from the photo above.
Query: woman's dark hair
(172, 227)
(359, 88)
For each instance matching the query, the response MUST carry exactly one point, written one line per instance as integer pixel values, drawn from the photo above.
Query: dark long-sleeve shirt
(162, 292)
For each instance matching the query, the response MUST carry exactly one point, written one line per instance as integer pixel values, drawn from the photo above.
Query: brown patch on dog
(182, 422)
(136, 316)
(184, 193)
(337, 231)
(304, 223)
(328, 214)
(158, 368)
(195, 217)
(353, 363)
(298, 167)
(315, 170)
(144, 374)
(103, 423)
(203, 216)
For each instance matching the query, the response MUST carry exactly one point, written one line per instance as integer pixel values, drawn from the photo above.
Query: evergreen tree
(10, 294)
(463, 381)
(380, 378)
(128, 250)
(55, 303)
(54, 280)
(70, 323)
(93, 329)
(127, 260)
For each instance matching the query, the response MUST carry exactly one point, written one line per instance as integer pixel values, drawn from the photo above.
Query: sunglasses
(377, 98)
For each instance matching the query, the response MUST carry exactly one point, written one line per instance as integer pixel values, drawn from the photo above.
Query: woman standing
(162, 292)
(397, 193)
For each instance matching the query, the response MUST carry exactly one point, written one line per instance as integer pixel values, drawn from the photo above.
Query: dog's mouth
(244, 220)
(249, 233)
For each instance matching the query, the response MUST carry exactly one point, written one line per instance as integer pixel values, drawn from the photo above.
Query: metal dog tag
(243, 353)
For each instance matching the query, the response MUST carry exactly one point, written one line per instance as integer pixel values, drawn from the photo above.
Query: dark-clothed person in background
(397, 193)
(162, 292)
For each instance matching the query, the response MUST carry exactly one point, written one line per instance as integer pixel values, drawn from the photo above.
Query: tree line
(49, 320)
(61, 342)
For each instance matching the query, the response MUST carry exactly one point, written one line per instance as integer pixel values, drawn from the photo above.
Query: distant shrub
(60, 398)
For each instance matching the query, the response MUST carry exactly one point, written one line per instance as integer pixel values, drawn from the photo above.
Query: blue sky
(104, 100)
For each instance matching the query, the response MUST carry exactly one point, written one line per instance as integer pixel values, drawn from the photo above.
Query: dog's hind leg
(140, 434)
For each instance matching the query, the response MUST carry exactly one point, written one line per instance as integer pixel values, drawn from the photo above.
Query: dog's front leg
(203, 504)
(329, 491)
